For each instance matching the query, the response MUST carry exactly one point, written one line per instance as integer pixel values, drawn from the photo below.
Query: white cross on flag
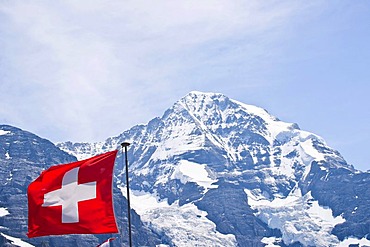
(73, 198)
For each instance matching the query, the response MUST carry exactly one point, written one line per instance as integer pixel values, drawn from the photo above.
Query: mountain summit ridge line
(212, 171)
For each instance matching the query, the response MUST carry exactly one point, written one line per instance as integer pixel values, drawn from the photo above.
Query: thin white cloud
(94, 68)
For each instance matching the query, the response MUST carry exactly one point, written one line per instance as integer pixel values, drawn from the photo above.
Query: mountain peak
(195, 93)
(208, 101)
(208, 151)
(215, 111)
(196, 99)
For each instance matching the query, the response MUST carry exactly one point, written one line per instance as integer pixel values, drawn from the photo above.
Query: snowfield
(4, 132)
(3, 212)
(186, 225)
(299, 218)
(17, 241)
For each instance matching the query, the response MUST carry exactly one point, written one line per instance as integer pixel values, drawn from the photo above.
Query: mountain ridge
(213, 171)
(241, 147)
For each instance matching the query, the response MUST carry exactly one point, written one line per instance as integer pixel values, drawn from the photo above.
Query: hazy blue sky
(87, 70)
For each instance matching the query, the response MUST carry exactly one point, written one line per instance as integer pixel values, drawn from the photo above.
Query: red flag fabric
(73, 198)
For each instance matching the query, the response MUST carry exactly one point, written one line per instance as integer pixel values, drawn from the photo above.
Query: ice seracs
(299, 218)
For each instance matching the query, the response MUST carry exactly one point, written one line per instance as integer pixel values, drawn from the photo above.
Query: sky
(87, 70)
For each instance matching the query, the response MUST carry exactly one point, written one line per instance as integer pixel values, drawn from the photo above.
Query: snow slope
(17, 241)
(299, 218)
(186, 224)
(3, 212)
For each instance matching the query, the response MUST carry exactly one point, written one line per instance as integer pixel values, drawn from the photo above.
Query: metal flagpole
(125, 145)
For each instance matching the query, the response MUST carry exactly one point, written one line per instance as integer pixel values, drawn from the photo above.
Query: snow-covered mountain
(213, 171)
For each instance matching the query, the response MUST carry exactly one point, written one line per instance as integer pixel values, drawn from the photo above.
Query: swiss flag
(73, 198)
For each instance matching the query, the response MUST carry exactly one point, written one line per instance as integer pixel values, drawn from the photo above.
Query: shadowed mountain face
(216, 172)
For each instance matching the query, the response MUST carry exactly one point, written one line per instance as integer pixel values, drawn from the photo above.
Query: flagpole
(125, 145)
